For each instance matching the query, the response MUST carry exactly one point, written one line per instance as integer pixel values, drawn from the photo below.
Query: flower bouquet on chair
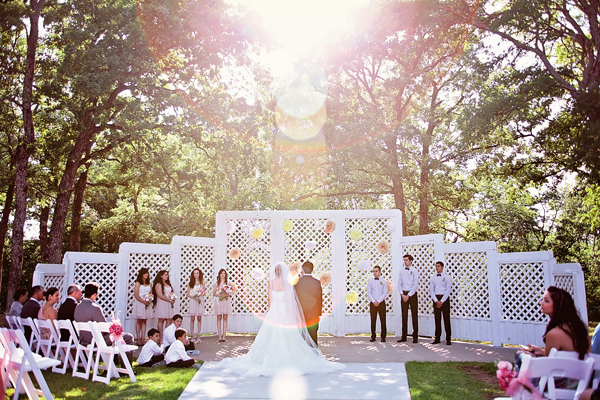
(517, 386)
(172, 297)
(115, 329)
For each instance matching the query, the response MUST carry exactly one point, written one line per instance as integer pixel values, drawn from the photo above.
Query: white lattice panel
(192, 257)
(565, 282)
(154, 262)
(305, 230)
(526, 279)
(424, 262)
(470, 290)
(105, 275)
(255, 253)
(57, 281)
(374, 230)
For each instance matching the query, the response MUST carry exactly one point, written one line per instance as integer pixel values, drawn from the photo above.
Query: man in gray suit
(88, 311)
(310, 296)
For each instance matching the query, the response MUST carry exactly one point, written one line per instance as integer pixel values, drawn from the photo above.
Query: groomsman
(440, 287)
(377, 292)
(408, 283)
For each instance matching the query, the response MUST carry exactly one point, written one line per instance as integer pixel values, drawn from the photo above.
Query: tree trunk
(75, 235)
(16, 267)
(10, 194)
(396, 176)
(44, 216)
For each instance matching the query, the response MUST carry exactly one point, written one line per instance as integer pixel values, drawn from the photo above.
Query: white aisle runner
(357, 381)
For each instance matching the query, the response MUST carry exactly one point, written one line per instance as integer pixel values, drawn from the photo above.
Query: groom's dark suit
(310, 296)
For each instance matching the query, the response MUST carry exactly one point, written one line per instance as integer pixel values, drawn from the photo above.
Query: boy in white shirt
(151, 354)
(169, 333)
(176, 355)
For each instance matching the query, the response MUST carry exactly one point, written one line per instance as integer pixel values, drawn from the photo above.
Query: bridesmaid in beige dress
(141, 307)
(163, 306)
(222, 304)
(195, 292)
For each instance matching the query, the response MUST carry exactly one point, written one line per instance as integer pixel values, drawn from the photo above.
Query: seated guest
(590, 394)
(19, 298)
(595, 340)
(32, 307)
(88, 311)
(48, 312)
(66, 311)
(169, 333)
(151, 354)
(176, 355)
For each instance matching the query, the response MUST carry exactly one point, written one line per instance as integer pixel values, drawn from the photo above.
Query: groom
(310, 296)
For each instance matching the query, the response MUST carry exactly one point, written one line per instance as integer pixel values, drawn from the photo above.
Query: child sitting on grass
(176, 356)
(151, 354)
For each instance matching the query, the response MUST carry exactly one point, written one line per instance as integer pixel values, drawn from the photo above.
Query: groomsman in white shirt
(440, 287)
(408, 283)
(377, 292)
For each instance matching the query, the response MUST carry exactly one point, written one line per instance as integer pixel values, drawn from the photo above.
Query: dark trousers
(182, 363)
(312, 331)
(188, 347)
(437, 316)
(413, 304)
(155, 358)
(380, 309)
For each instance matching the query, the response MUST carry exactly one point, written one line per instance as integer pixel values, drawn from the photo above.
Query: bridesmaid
(195, 292)
(222, 307)
(47, 311)
(141, 312)
(163, 306)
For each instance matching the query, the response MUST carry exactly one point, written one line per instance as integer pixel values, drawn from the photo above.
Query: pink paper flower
(325, 279)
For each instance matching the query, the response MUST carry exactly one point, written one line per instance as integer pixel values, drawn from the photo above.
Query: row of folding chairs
(561, 364)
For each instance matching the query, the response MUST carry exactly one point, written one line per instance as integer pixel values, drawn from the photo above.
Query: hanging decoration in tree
(235, 253)
(287, 225)
(329, 227)
(355, 234)
(230, 227)
(383, 247)
(364, 265)
(257, 233)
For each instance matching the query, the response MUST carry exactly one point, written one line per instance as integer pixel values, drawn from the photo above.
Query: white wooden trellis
(494, 298)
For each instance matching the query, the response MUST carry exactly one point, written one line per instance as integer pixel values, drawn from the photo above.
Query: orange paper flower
(295, 268)
(383, 247)
(235, 253)
(325, 279)
(390, 286)
(329, 227)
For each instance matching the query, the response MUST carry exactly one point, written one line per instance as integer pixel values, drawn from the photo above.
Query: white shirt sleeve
(415, 284)
(176, 352)
(150, 349)
(370, 294)
(448, 288)
(432, 289)
(169, 335)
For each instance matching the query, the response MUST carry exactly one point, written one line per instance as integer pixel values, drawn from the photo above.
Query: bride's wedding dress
(281, 342)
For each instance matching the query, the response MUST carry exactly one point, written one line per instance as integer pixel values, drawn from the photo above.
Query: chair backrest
(596, 377)
(65, 324)
(82, 327)
(11, 322)
(18, 339)
(97, 329)
(556, 367)
(47, 324)
(573, 355)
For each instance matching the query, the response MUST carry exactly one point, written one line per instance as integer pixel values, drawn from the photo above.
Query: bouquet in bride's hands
(224, 292)
(172, 297)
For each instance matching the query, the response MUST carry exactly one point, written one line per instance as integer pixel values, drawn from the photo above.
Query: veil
(280, 273)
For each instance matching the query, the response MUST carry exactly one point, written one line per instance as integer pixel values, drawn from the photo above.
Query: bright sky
(298, 25)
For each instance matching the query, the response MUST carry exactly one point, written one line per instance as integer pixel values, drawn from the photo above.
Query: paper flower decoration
(257, 233)
(391, 227)
(329, 227)
(287, 225)
(230, 227)
(310, 245)
(258, 274)
(235, 253)
(293, 278)
(390, 286)
(364, 265)
(383, 247)
(355, 235)
(325, 279)
(295, 268)
(352, 297)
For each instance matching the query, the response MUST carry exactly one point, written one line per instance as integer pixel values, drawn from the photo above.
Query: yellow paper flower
(383, 247)
(325, 279)
(329, 227)
(390, 286)
(235, 253)
(293, 278)
(352, 297)
(287, 225)
(355, 234)
(295, 268)
(257, 233)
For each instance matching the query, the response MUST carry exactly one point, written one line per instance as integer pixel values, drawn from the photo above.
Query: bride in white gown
(282, 340)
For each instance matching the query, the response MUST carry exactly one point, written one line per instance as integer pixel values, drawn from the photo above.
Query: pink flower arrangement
(505, 374)
(512, 382)
(115, 329)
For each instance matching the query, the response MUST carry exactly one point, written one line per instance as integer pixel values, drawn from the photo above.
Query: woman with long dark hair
(142, 310)
(195, 292)
(222, 302)
(163, 299)
(47, 311)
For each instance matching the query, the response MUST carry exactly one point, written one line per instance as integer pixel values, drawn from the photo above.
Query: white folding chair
(4, 356)
(46, 344)
(64, 347)
(35, 335)
(85, 353)
(12, 323)
(107, 353)
(596, 374)
(556, 367)
(22, 361)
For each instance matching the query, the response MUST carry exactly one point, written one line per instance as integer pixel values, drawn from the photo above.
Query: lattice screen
(311, 230)
(565, 282)
(202, 257)
(105, 275)
(374, 230)
(424, 262)
(522, 286)
(154, 263)
(255, 253)
(470, 289)
(57, 281)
